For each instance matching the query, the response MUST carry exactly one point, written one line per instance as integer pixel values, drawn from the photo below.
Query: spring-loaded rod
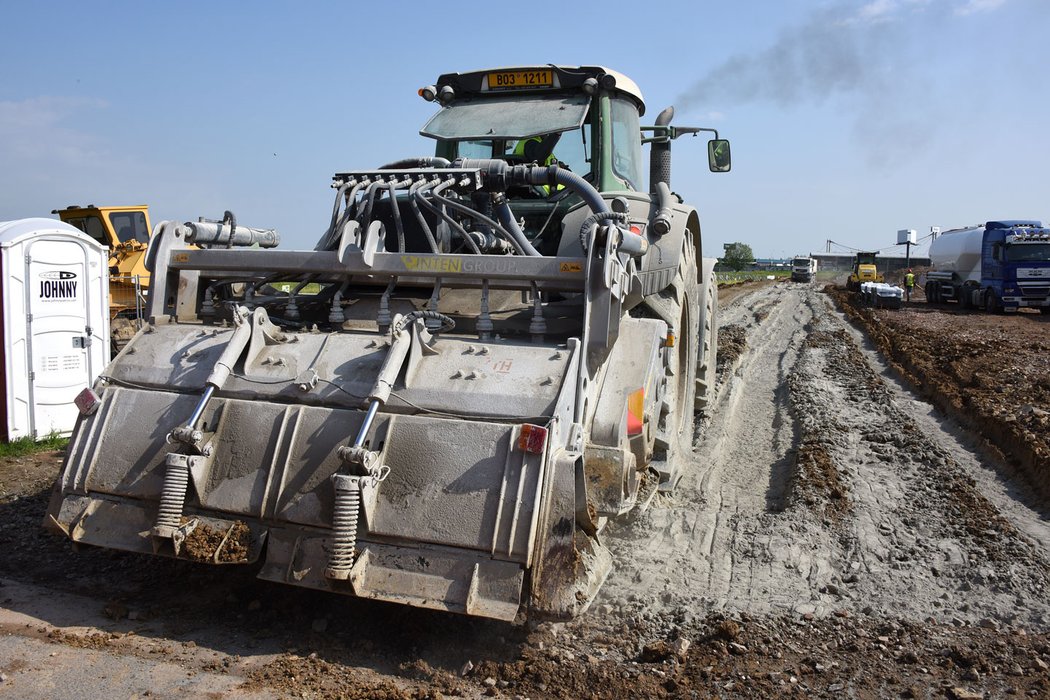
(363, 461)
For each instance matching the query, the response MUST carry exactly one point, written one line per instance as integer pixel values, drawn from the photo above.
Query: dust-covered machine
(489, 353)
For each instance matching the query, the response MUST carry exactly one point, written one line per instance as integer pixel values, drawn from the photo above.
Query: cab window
(130, 226)
(92, 226)
(626, 143)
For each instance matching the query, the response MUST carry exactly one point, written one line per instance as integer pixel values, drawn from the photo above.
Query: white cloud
(877, 10)
(36, 131)
(974, 6)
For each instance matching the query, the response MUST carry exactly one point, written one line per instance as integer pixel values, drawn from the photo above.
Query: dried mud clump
(209, 544)
(732, 341)
(818, 482)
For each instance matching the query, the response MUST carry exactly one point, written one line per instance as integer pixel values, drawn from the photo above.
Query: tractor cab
(583, 119)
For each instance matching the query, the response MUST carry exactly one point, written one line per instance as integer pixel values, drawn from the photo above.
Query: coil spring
(344, 527)
(173, 495)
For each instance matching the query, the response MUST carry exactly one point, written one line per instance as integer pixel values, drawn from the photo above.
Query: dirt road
(834, 536)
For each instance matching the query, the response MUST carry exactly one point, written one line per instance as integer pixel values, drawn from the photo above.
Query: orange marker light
(636, 412)
(532, 439)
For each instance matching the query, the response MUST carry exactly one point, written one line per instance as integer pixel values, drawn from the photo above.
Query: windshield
(571, 150)
(92, 226)
(130, 226)
(801, 262)
(1028, 252)
(507, 117)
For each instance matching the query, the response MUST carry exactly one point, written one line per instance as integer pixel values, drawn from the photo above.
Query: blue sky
(849, 120)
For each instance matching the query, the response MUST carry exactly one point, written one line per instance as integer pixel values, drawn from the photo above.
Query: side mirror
(718, 157)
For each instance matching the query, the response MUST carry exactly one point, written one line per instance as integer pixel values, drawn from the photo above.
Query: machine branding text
(58, 285)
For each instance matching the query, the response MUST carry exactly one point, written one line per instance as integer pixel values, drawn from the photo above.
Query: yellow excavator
(864, 270)
(125, 231)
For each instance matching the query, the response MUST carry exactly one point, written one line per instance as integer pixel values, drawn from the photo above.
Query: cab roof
(567, 77)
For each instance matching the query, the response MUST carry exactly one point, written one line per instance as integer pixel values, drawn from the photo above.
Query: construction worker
(909, 283)
(533, 148)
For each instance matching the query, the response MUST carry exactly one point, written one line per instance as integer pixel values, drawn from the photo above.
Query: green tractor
(489, 353)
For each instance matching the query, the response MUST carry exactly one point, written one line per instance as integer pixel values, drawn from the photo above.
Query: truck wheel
(991, 302)
(708, 341)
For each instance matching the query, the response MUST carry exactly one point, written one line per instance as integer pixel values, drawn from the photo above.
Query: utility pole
(908, 237)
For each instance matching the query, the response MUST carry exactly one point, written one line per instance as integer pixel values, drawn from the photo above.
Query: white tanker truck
(998, 266)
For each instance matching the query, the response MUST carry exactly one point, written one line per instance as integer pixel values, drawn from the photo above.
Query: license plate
(520, 79)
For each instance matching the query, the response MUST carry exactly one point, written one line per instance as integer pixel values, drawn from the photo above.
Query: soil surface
(849, 526)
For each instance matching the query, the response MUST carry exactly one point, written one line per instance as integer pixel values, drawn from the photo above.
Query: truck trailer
(997, 266)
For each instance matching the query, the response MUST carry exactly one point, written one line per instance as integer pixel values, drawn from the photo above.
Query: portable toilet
(54, 315)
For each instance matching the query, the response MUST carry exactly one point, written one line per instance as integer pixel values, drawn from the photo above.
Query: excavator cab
(126, 232)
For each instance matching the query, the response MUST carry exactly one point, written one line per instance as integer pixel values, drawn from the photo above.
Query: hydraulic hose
(335, 207)
(662, 220)
(228, 217)
(365, 215)
(506, 217)
(328, 240)
(569, 179)
(417, 163)
(497, 176)
(438, 211)
(447, 324)
(413, 193)
(585, 228)
(490, 222)
(396, 211)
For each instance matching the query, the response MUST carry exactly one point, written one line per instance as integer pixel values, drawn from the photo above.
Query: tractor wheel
(708, 341)
(674, 436)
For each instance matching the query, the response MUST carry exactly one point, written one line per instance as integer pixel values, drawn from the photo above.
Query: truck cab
(802, 269)
(1016, 265)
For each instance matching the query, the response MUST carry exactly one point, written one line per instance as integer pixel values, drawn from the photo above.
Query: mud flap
(126, 525)
(426, 577)
(571, 566)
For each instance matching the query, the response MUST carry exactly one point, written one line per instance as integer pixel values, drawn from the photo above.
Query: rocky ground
(838, 534)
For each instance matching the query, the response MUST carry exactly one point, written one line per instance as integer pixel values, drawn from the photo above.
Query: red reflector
(636, 230)
(532, 439)
(87, 402)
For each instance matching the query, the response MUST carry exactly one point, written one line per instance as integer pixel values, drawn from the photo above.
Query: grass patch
(27, 445)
